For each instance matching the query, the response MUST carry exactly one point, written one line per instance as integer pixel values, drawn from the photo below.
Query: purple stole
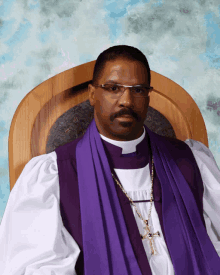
(132, 250)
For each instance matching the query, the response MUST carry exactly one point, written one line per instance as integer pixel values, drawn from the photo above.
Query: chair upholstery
(73, 124)
(58, 111)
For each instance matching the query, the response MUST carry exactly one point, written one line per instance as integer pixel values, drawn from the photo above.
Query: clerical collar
(133, 154)
(126, 147)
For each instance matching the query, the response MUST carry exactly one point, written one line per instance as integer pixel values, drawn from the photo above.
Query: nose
(126, 98)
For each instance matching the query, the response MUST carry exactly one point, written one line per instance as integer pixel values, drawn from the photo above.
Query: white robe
(34, 241)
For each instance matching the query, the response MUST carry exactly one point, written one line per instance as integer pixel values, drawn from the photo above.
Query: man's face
(108, 111)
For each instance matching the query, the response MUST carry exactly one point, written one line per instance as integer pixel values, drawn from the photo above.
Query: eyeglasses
(116, 90)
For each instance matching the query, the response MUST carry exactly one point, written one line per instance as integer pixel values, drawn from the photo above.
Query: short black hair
(117, 52)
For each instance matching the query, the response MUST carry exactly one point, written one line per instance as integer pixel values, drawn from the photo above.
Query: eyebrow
(112, 81)
(115, 82)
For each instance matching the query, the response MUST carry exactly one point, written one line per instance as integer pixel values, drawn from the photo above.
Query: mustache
(126, 112)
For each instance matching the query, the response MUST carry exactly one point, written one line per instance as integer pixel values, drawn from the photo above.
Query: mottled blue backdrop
(40, 39)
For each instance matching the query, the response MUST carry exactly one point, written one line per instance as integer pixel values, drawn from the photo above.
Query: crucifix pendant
(150, 237)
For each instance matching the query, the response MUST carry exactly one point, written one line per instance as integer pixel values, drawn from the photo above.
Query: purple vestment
(99, 217)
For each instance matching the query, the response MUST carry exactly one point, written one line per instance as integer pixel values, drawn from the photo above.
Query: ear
(148, 100)
(91, 90)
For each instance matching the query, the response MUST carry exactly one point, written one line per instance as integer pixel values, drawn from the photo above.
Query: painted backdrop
(41, 38)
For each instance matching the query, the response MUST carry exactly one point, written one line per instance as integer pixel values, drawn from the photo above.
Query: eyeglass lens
(117, 90)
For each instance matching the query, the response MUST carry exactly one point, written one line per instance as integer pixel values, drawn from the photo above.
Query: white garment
(33, 240)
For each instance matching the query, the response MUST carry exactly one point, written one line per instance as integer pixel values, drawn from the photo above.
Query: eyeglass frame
(125, 86)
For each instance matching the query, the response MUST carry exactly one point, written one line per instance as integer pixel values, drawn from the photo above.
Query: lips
(126, 118)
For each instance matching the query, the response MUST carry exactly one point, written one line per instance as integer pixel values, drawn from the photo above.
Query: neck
(127, 146)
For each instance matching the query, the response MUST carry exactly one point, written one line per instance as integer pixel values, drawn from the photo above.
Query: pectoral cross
(150, 237)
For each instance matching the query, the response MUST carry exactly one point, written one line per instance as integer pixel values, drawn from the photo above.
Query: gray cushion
(73, 124)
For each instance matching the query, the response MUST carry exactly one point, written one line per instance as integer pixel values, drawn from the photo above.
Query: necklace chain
(148, 235)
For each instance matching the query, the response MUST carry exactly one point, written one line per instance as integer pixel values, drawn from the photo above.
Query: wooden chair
(43, 111)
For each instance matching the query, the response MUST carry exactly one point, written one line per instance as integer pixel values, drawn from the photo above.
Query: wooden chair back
(41, 107)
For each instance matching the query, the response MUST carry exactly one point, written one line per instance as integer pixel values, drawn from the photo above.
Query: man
(120, 199)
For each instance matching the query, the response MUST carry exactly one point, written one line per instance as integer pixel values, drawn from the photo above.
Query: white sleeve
(33, 239)
(211, 198)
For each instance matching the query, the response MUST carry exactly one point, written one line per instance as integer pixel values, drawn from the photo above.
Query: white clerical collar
(127, 146)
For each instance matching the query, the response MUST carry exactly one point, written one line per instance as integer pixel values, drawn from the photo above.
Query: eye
(139, 90)
(111, 87)
(114, 88)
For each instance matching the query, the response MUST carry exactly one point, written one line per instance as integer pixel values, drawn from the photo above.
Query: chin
(126, 124)
(124, 135)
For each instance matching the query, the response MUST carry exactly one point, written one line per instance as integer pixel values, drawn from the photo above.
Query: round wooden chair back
(45, 116)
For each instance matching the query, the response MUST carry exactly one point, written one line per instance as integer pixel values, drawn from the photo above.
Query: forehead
(125, 72)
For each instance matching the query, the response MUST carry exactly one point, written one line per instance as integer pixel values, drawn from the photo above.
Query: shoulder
(43, 160)
(202, 153)
(179, 151)
(68, 150)
(198, 147)
(39, 174)
(210, 173)
(174, 142)
(174, 145)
